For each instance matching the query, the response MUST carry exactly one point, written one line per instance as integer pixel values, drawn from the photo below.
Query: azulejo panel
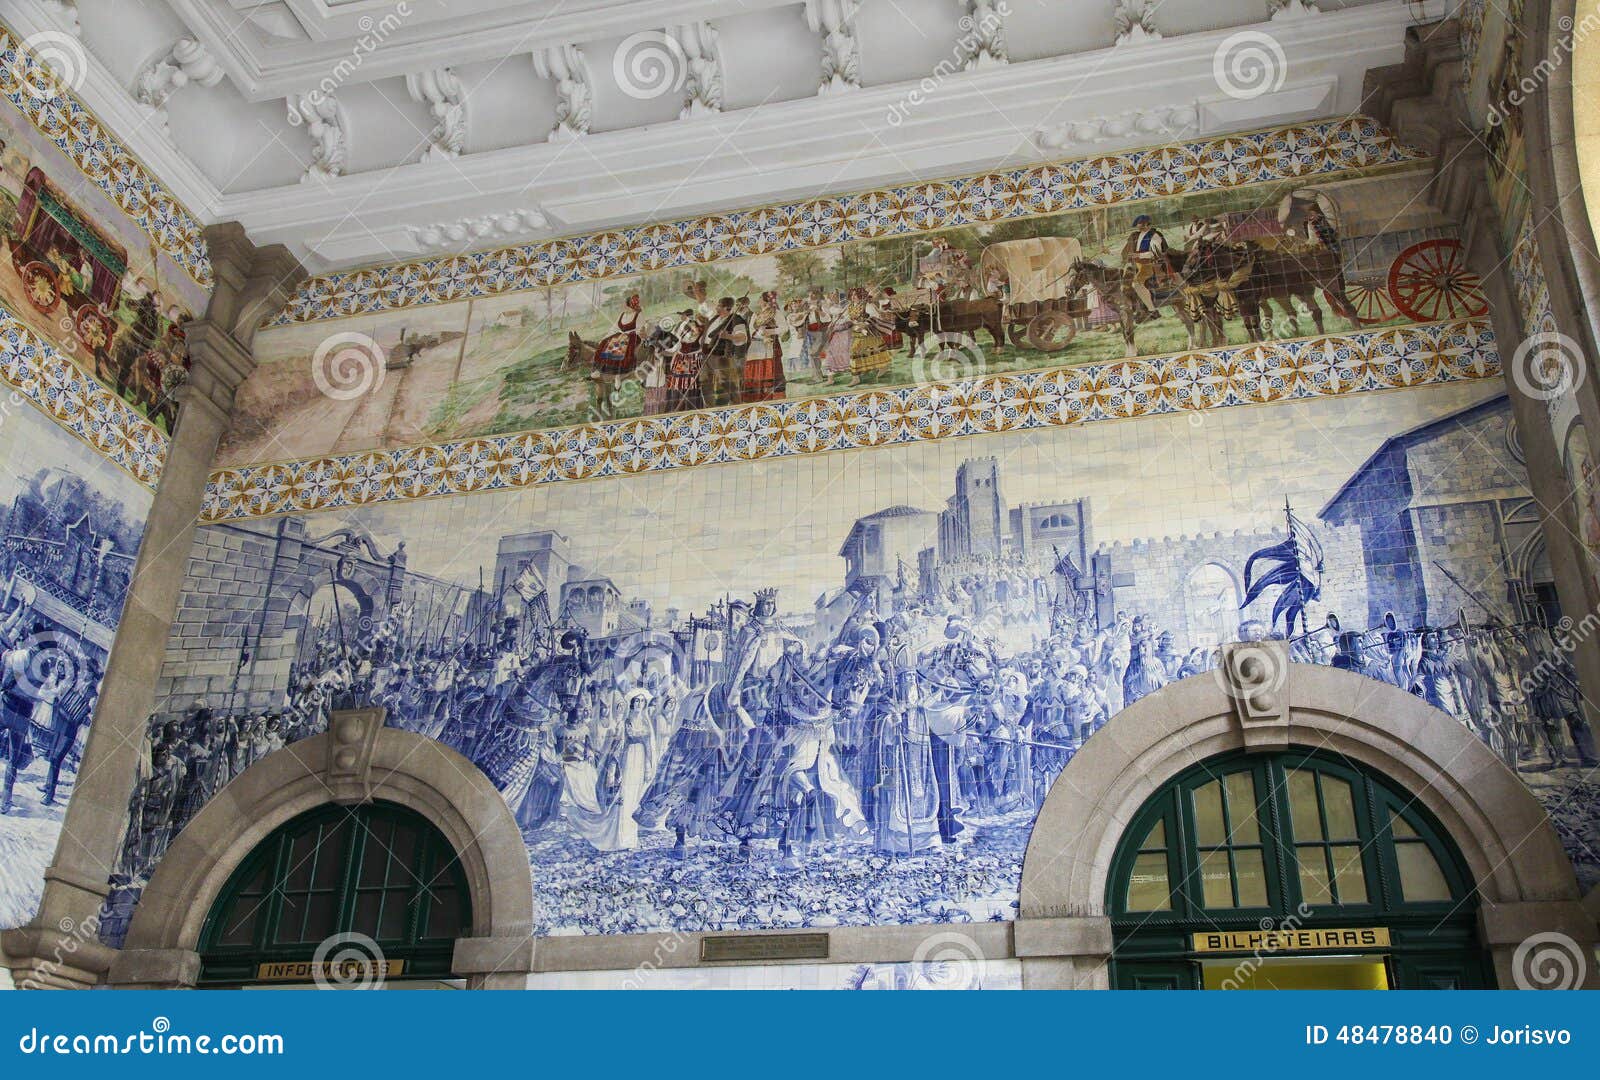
(1232, 161)
(102, 158)
(75, 401)
(1124, 389)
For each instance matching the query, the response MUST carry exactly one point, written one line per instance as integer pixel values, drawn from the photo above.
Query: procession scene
(87, 281)
(67, 545)
(1163, 276)
(856, 746)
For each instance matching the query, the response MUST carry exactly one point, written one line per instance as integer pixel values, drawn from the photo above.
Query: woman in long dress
(836, 347)
(869, 343)
(603, 813)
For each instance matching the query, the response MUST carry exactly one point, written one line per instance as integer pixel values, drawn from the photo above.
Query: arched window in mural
(1211, 603)
(375, 875)
(1300, 841)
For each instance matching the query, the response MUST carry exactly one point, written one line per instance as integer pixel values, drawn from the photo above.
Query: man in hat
(1147, 256)
(727, 339)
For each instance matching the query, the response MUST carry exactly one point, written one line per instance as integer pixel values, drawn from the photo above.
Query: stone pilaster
(60, 948)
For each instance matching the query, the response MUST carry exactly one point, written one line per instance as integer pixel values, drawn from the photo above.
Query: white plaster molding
(64, 12)
(187, 61)
(466, 233)
(835, 20)
(986, 119)
(325, 123)
(1287, 10)
(1163, 121)
(982, 34)
(566, 67)
(1136, 22)
(441, 91)
(702, 58)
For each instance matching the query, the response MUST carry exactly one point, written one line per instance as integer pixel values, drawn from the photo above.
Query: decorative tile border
(1187, 382)
(1228, 162)
(101, 157)
(77, 402)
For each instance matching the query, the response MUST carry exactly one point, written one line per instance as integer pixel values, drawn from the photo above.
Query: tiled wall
(650, 801)
(70, 524)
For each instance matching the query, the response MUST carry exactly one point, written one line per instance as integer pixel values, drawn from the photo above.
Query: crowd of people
(901, 731)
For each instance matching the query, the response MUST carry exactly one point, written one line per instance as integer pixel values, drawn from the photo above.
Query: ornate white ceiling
(365, 131)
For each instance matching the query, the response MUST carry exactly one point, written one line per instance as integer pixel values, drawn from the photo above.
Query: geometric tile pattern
(1180, 168)
(1088, 393)
(100, 156)
(78, 403)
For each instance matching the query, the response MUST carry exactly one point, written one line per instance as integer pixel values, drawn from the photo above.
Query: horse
(916, 317)
(1116, 287)
(1255, 277)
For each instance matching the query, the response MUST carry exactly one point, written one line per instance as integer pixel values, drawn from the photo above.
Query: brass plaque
(1366, 937)
(765, 947)
(328, 970)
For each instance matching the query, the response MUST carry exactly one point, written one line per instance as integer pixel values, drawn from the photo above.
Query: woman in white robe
(602, 813)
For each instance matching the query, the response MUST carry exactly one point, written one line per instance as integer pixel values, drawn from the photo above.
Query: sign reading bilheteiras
(1281, 941)
(354, 969)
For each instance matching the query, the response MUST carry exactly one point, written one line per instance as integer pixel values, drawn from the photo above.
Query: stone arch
(357, 760)
(1524, 879)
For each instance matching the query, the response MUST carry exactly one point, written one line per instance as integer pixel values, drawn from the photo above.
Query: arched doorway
(1290, 870)
(357, 763)
(1259, 705)
(339, 895)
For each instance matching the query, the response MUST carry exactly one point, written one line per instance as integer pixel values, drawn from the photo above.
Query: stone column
(60, 947)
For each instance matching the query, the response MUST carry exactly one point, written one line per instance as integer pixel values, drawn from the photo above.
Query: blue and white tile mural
(835, 690)
(70, 524)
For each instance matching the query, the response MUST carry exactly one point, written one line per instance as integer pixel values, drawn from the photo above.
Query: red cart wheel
(39, 282)
(1372, 302)
(1430, 281)
(93, 328)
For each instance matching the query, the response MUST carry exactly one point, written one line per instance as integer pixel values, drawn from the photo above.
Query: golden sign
(339, 971)
(1366, 937)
